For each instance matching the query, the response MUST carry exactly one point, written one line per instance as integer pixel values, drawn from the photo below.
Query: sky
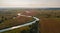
(30, 3)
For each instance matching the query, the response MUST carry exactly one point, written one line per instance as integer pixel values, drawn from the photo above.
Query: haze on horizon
(30, 3)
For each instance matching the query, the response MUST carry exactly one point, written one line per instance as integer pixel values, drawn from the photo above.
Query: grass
(17, 30)
(49, 21)
(9, 23)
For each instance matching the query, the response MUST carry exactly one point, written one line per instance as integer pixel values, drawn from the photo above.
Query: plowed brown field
(50, 25)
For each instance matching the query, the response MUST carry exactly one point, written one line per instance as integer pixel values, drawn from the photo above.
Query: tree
(25, 31)
(1, 21)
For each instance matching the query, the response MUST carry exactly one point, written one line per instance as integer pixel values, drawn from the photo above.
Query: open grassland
(19, 30)
(49, 21)
(14, 22)
(8, 19)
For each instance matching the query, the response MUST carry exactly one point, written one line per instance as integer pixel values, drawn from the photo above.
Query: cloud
(29, 3)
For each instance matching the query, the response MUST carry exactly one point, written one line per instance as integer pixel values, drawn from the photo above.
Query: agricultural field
(49, 20)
